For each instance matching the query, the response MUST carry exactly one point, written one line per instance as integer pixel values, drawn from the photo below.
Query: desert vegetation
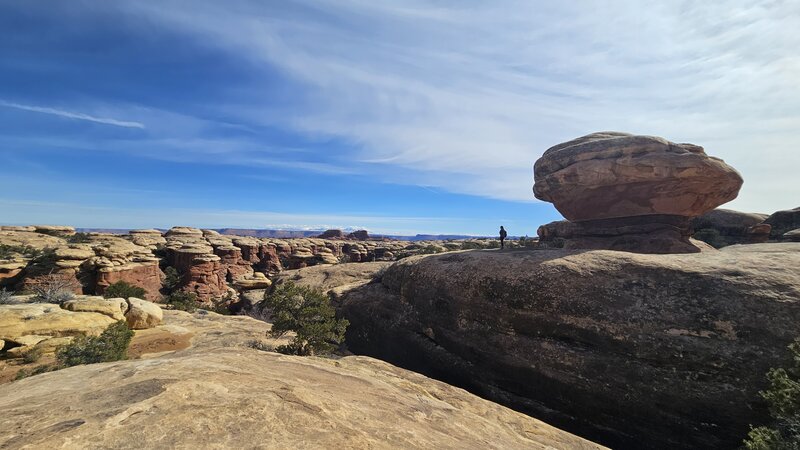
(111, 345)
(54, 288)
(308, 313)
(182, 301)
(783, 397)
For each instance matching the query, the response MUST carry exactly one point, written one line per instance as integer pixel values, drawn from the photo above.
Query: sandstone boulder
(142, 314)
(630, 350)
(732, 227)
(783, 221)
(792, 236)
(112, 307)
(26, 325)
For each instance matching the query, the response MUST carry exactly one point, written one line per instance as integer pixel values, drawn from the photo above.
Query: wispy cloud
(464, 97)
(73, 115)
(468, 97)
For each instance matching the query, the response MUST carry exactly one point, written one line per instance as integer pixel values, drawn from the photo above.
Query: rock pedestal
(632, 193)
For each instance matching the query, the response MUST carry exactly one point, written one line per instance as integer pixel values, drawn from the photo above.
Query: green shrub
(171, 280)
(111, 345)
(79, 238)
(9, 251)
(183, 301)
(32, 355)
(122, 289)
(783, 397)
(309, 314)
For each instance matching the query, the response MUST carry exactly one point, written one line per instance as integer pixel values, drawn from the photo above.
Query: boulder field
(629, 350)
(220, 393)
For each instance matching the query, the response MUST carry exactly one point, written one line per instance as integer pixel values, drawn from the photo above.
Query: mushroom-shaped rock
(609, 174)
(631, 193)
(143, 314)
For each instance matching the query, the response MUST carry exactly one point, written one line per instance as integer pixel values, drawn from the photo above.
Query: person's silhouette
(503, 235)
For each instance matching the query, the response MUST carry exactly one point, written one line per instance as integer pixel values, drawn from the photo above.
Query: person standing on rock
(503, 235)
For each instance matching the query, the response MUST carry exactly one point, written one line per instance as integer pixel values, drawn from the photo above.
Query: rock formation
(219, 393)
(332, 234)
(25, 326)
(722, 227)
(634, 193)
(211, 265)
(360, 235)
(630, 350)
(783, 222)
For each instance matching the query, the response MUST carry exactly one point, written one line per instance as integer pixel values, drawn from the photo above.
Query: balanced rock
(634, 193)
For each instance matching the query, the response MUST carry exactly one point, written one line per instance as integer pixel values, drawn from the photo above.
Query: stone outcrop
(221, 394)
(728, 227)
(630, 350)
(146, 275)
(151, 239)
(783, 222)
(360, 235)
(142, 314)
(634, 193)
(114, 308)
(46, 326)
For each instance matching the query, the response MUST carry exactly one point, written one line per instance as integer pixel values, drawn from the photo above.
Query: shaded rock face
(728, 227)
(783, 222)
(221, 394)
(640, 234)
(603, 179)
(629, 350)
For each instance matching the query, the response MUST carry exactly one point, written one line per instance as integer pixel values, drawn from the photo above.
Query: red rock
(610, 174)
(146, 275)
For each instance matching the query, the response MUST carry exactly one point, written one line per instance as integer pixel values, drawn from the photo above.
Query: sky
(400, 117)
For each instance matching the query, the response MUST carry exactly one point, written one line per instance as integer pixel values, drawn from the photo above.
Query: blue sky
(401, 117)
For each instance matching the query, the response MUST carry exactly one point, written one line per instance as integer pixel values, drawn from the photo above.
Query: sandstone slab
(244, 398)
(113, 307)
(631, 350)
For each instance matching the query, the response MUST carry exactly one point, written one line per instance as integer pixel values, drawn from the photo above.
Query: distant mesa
(633, 193)
(360, 235)
(332, 234)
